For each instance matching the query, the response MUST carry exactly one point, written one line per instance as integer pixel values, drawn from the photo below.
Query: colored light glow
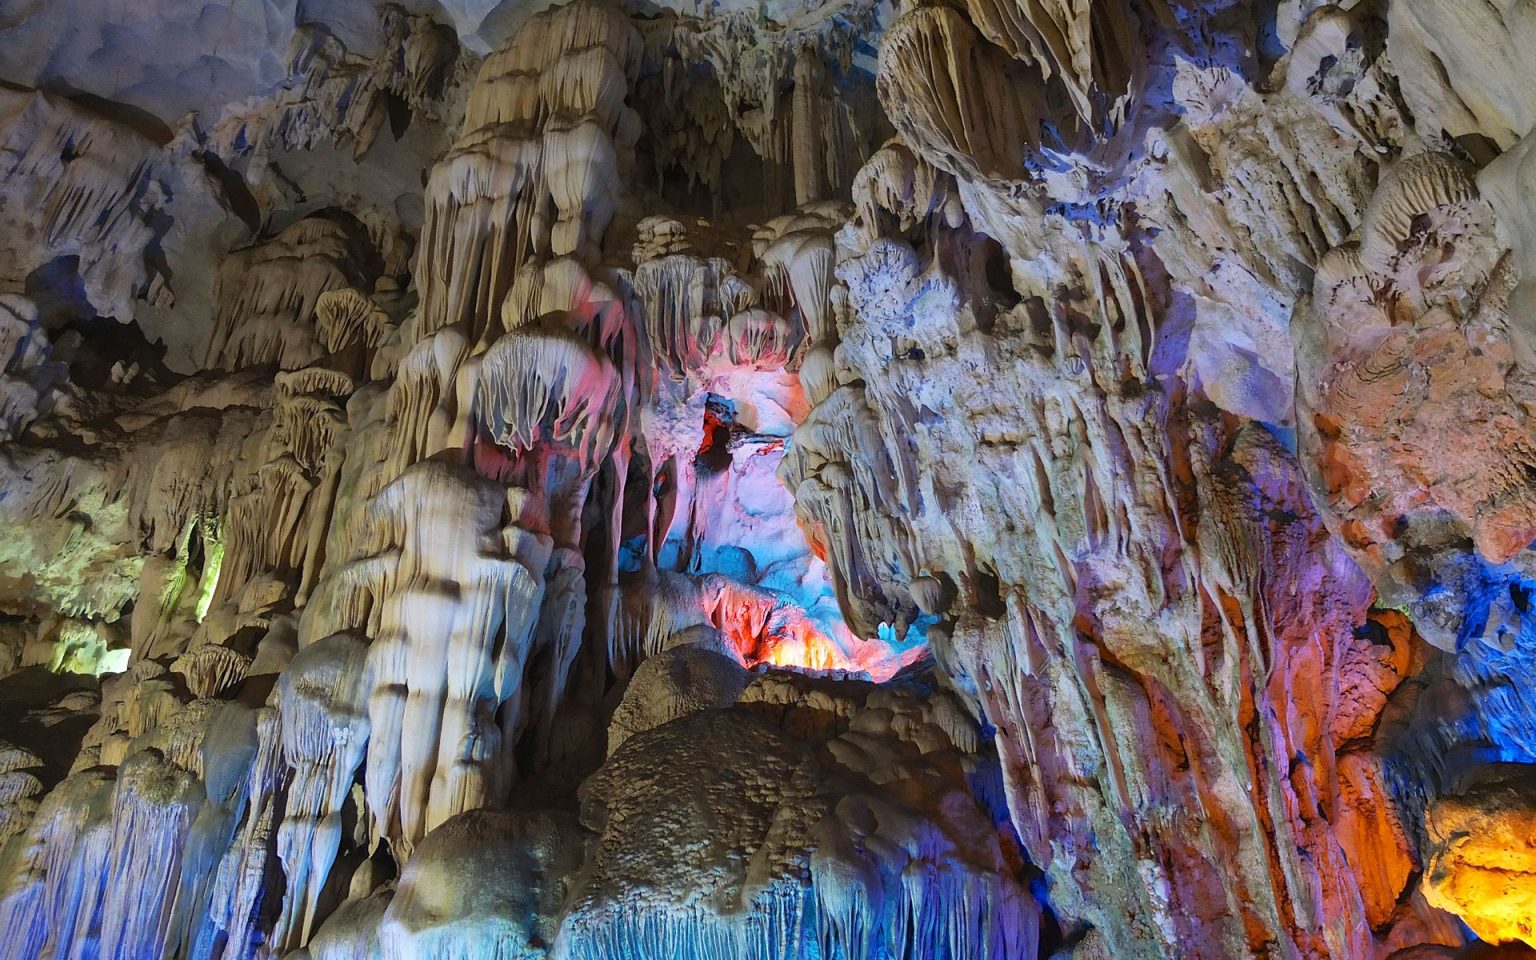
(765, 627)
(213, 549)
(113, 661)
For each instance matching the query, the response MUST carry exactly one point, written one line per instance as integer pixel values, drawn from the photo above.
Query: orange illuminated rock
(1374, 841)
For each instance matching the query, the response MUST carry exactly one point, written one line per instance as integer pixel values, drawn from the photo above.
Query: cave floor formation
(840, 480)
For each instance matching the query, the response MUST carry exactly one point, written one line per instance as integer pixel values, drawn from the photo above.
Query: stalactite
(332, 93)
(483, 215)
(547, 379)
(269, 295)
(1090, 45)
(435, 749)
(685, 299)
(951, 92)
(20, 789)
(533, 171)
(322, 708)
(346, 317)
(83, 187)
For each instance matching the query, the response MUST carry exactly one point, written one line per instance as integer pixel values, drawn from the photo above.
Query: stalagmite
(671, 684)
(753, 804)
(487, 883)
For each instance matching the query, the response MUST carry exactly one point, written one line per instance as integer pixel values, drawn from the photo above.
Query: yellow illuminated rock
(1482, 865)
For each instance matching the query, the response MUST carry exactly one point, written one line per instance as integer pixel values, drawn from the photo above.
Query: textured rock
(990, 479)
(723, 834)
(1481, 856)
(486, 883)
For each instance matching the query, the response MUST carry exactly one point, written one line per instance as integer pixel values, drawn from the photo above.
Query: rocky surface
(995, 479)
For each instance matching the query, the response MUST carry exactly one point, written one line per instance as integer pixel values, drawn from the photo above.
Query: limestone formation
(1480, 858)
(825, 481)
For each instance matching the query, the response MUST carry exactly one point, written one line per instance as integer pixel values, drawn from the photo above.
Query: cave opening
(714, 453)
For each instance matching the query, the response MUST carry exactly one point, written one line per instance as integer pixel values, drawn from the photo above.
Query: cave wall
(955, 480)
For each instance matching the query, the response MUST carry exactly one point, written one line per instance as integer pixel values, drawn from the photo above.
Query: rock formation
(982, 480)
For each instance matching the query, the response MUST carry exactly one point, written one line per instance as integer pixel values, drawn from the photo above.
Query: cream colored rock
(672, 684)
(533, 172)
(482, 881)
(1457, 65)
(435, 747)
(321, 699)
(957, 97)
(269, 295)
(20, 790)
